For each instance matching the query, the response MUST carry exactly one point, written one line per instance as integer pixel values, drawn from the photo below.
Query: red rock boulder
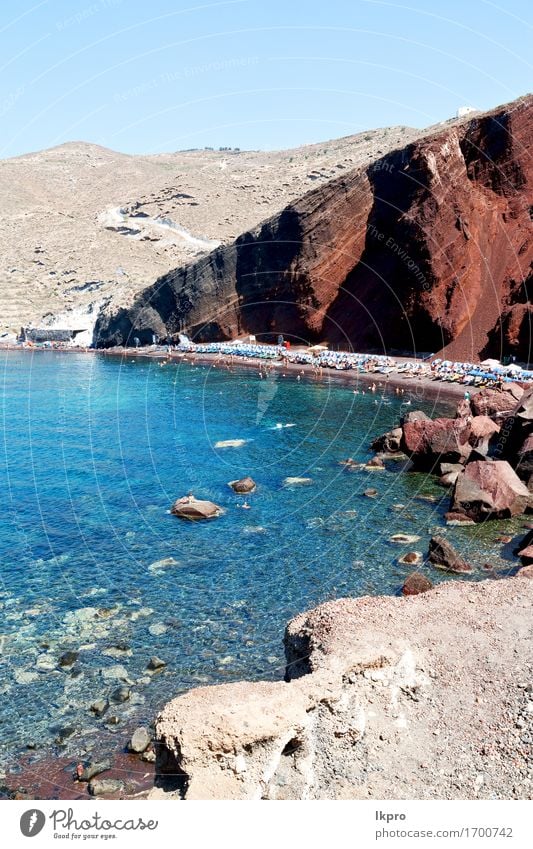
(443, 555)
(416, 583)
(490, 489)
(428, 441)
(493, 402)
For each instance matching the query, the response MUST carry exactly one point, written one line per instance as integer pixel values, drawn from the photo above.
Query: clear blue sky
(171, 74)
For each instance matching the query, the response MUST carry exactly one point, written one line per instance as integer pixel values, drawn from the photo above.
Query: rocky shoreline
(334, 748)
(425, 697)
(428, 697)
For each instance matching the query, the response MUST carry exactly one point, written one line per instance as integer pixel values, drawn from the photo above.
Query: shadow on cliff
(379, 305)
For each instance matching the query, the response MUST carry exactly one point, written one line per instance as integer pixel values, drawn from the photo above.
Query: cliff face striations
(428, 248)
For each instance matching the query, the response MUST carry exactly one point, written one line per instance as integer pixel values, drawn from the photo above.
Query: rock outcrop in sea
(428, 248)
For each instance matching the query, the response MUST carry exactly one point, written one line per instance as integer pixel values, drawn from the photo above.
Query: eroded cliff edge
(428, 248)
(422, 697)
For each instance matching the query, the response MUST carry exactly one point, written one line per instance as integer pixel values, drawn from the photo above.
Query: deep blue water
(94, 452)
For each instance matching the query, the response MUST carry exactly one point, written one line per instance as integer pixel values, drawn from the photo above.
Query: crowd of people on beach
(319, 357)
(489, 373)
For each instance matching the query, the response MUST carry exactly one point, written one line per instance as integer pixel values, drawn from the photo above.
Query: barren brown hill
(428, 247)
(82, 225)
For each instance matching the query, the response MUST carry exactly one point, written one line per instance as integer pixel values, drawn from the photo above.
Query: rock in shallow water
(68, 658)
(140, 740)
(192, 508)
(243, 485)
(456, 519)
(93, 769)
(402, 539)
(155, 663)
(99, 707)
(105, 786)
(120, 695)
(412, 558)
(165, 563)
(443, 555)
(296, 481)
(115, 673)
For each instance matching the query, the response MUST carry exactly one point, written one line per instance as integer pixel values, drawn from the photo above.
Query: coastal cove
(97, 448)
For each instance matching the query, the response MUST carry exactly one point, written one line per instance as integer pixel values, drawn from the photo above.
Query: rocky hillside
(426, 697)
(82, 225)
(427, 248)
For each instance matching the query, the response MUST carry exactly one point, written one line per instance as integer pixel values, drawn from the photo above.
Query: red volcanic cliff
(428, 248)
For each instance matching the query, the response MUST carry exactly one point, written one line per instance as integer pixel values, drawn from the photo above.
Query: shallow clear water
(94, 452)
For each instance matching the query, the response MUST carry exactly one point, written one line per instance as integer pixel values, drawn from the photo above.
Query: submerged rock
(155, 663)
(443, 555)
(350, 463)
(99, 707)
(68, 658)
(140, 740)
(296, 481)
(244, 485)
(121, 694)
(63, 734)
(85, 774)
(230, 443)
(403, 539)
(370, 493)
(375, 463)
(191, 508)
(115, 673)
(105, 786)
(165, 563)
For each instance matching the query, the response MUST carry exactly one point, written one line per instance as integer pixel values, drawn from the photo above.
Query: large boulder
(494, 402)
(482, 429)
(428, 441)
(388, 442)
(414, 416)
(524, 461)
(191, 508)
(490, 489)
(443, 555)
(525, 407)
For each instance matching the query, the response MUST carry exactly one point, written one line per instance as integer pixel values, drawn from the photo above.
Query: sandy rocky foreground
(429, 696)
(83, 226)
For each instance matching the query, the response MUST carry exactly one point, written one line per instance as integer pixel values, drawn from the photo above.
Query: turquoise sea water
(94, 452)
